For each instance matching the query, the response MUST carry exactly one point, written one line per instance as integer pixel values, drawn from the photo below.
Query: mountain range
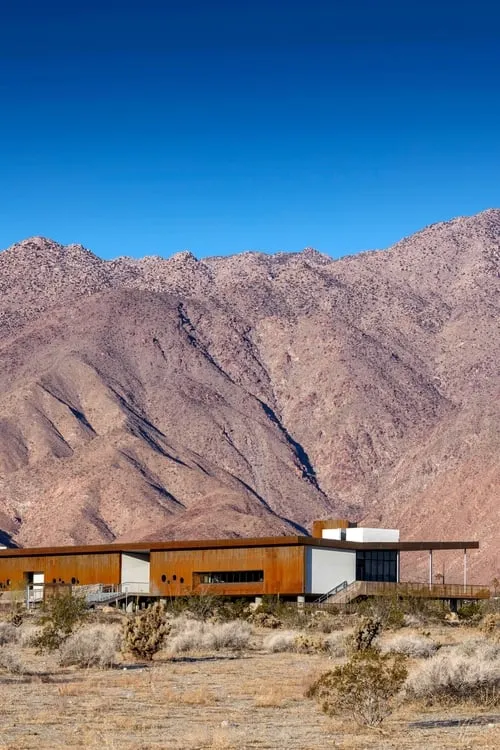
(251, 394)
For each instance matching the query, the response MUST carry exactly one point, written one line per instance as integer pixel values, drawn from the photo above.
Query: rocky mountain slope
(251, 394)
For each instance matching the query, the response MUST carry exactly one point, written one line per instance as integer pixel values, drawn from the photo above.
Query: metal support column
(465, 569)
(430, 567)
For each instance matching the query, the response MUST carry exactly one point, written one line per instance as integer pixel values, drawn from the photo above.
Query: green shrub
(145, 632)
(60, 616)
(364, 688)
(469, 611)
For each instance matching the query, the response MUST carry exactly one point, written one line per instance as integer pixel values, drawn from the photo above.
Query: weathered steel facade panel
(78, 568)
(173, 572)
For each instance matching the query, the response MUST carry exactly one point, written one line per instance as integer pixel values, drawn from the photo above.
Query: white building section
(367, 535)
(335, 534)
(327, 568)
(135, 573)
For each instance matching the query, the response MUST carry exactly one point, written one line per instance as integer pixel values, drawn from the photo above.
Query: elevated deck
(406, 590)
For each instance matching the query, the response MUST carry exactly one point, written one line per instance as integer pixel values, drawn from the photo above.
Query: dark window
(376, 565)
(73, 580)
(182, 580)
(174, 577)
(164, 578)
(231, 576)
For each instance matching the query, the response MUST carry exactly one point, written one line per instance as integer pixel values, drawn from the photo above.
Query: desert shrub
(364, 688)
(364, 635)
(9, 662)
(305, 643)
(482, 648)
(469, 612)
(145, 632)
(17, 613)
(490, 624)
(453, 676)
(8, 633)
(389, 611)
(95, 646)
(414, 646)
(28, 634)
(279, 642)
(193, 635)
(186, 635)
(326, 624)
(337, 644)
(60, 616)
(265, 620)
(309, 643)
(228, 635)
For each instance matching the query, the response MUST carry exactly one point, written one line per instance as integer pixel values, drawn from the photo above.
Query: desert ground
(225, 697)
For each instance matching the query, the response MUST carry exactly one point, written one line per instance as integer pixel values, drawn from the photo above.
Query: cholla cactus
(146, 631)
(363, 638)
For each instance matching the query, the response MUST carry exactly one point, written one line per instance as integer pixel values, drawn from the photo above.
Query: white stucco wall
(365, 534)
(135, 570)
(326, 568)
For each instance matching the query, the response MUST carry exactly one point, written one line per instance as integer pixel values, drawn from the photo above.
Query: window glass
(231, 576)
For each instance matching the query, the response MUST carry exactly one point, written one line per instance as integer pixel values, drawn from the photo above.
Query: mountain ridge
(250, 394)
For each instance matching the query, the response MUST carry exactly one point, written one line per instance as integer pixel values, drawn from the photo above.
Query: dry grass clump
(194, 635)
(414, 646)
(470, 673)
(306, 643)
(11, 663)
(8, 633)
(95, 646)
(490, 625)
(280, 642)
(233, 635)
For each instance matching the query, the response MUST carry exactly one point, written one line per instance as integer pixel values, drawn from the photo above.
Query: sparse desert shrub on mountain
(145, 632)
(414, 646)
(453, 676)
(8, 633)
(364, 688)
(95, 646)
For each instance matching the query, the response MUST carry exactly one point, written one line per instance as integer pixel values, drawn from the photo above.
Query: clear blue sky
(151, 127)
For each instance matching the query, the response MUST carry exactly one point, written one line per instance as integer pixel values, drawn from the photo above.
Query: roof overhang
(276, 541)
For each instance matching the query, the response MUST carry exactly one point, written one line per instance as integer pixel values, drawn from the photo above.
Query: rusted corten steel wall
(84, 568)
(283, 569)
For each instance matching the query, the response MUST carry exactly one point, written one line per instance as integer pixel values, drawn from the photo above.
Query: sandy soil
(207, 701)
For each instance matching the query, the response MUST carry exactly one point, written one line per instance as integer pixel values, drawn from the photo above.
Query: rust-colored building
(295, 566)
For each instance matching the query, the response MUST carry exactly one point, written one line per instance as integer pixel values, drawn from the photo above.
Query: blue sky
(150, 127)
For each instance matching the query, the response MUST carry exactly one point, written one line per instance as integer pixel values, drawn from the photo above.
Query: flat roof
(272, 541)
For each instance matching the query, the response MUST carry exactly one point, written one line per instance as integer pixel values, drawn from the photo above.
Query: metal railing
(343, 594)
(95, 593)
(335, 590)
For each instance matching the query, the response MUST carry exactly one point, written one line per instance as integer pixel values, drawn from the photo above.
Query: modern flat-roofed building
(340, 561)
